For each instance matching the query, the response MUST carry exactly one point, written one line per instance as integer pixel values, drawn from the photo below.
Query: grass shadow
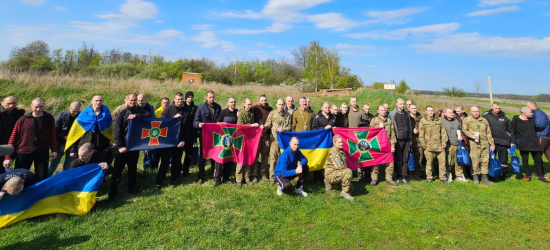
(48, 241)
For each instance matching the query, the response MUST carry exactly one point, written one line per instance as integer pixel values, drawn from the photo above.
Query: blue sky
(430, 43)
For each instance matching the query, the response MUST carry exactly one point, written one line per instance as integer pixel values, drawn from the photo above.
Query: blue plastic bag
(462, 155)
(411, 160)
(515, 163)
(495, 169)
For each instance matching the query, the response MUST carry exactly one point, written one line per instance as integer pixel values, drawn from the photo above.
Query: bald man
(150, 155)
(246, 117)
(291, 164)
(477, 129)
(34, 136)
(63, 123)
(9, 114)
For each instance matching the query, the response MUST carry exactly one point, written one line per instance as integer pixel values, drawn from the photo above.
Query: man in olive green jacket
(433, 138)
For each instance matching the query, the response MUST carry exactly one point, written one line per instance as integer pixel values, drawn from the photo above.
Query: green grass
(511, 104)
(509, 215)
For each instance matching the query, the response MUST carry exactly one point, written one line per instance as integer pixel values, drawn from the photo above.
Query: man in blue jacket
(208, 112)
(542, 127)
(288, 168)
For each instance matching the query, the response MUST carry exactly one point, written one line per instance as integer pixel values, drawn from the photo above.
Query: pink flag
(225, 142)
(365, 147)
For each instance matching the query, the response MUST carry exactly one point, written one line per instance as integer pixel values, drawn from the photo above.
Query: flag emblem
(363, 146)
(154, 133)
(228, 142)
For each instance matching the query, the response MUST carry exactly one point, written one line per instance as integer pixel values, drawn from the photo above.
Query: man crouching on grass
(288, 168)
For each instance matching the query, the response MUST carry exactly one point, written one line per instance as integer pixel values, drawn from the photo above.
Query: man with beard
(302, 118)
(261, 112)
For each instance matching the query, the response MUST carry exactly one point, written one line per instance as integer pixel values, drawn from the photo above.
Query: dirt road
(483, 106)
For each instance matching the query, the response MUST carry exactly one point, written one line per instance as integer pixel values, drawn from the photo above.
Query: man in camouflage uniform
(245, 117)
(278, 121)
(302, 118)
(477, 129)
(452, 126)
(261, 112)
(336, 170)
(383, 121)
(433, 138)
(418, 150)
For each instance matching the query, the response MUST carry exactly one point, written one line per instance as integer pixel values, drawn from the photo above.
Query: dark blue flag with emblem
(152, 133)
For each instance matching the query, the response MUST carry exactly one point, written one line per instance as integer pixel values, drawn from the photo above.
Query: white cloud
(411, 32)
(111, 28)
(259, 44)
(166, 34)
(352, 46)
(239, 14)
(332, 21)
(275, 28)
(355, 50)
(287, 10)
(498, 2)
(393, 16)
(547, 14)
(59, 8)
(475, 44)
(201, 26)
(133, 9)
(494, 11)
(159, 21)
(210, 40)
(33, 2)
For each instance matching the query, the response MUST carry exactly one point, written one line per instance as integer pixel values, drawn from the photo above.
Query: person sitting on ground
(14, 181)
(288, 169)
(336, 170)
(87, 155)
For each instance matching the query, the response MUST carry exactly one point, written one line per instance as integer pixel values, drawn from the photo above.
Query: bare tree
(300, 55)
(478, 88)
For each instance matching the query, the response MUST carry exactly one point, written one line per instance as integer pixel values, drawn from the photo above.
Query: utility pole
(490, 89)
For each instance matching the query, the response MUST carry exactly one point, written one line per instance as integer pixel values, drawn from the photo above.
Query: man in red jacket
(33, 136)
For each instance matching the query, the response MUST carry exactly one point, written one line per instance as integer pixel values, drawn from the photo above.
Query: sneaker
(373, 182)
(239, 184)
(391, 182)
(450, 177)
(279, 191)
(250, 182)
(255, 180)
(405, 181)
(300, 192)
(347, 196)
(200, 181)
(399, 181)
(446, 181)
(461, 179)
(527, 179)
(327, 185)
(264, 178)
(543, 179)
(429, 180)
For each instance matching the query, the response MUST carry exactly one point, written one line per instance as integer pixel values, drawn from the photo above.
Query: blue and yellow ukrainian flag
(315, 145)
(70, 192)
(87, 121)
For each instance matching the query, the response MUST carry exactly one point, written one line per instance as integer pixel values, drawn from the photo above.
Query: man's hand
(328, 127)
(415, 130)
(475, 137)
(7, 163)
(492, 149)
(444, 146)
(381, 125)
(104, 165)
(131, 117)
(72, 155)
(122, 150)
(393, 150)
(177, 116)
(181, 144)
(200, 124)
(299, 169)
(54, 155)
(511, 145)
(255, 125)
(2, 194)
(280, 130)
(262, 126)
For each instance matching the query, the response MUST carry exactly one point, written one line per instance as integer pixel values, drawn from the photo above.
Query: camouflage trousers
(243, 171)
(389, 171)
(429, 164)
(343, 177)
(418, 152)
(261, 168)
(479, 155)
(274, 152)
(451, 160)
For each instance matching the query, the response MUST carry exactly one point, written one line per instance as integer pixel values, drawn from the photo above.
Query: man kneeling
(87, 155)
(288, 169)
(337, 171)
(15, 181)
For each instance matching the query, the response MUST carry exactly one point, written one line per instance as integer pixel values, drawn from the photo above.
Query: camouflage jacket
(302, 120)
(432, 134)
(387, 125)
(336, 161)
(245, 117)
(276, 120)
(471, 125)
(415, 121)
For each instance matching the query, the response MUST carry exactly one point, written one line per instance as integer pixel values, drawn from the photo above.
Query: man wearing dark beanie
(189, 111)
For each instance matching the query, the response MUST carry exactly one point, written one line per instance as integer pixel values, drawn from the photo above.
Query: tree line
(311, 68)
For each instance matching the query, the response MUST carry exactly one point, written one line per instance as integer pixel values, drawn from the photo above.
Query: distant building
(191, 78)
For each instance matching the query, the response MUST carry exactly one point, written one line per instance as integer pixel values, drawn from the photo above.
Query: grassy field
(509, 215)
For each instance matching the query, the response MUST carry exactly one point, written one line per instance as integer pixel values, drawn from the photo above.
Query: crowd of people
(432, 137)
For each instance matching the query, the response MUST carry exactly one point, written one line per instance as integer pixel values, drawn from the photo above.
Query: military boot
(476, 179)
(485, 180)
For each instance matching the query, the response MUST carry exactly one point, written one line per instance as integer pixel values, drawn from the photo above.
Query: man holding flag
(246, 117)
(207, 112)
(383, 121)
(124, 157)
(261, 112)
(278, 121)
(291, 164)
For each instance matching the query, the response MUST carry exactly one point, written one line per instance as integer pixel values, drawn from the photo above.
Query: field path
(483, 106)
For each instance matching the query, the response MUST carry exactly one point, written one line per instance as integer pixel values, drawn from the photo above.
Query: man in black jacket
(175, 110)
(324, 119)
(9, 114)
(124, 157)
(501, 128)
(149, 156)
(403, 132)
(63, 123)
(206, 113)
(189, 111)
